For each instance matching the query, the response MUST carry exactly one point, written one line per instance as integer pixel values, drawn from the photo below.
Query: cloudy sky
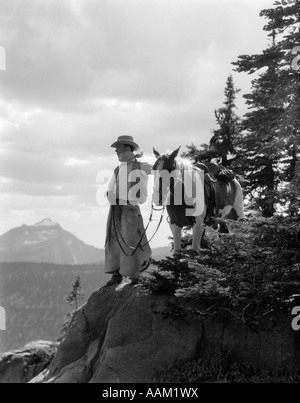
(79, 73)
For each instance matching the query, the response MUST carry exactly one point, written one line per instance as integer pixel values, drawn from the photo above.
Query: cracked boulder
(22, 365)
(125, 335)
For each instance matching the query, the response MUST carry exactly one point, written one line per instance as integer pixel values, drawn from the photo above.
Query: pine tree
(260, 152)
(268, 147)
(76, 294)
(222, 143)
(291, 194)
(72, 299)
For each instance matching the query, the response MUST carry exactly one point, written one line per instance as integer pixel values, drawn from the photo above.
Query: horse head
(164, 163)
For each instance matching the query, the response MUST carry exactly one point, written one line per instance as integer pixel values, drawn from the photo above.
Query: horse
(217, 199)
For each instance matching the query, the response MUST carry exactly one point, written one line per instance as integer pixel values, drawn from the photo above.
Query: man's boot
(116, 279)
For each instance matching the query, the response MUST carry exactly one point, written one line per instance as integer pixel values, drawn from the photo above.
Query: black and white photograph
(149, 194)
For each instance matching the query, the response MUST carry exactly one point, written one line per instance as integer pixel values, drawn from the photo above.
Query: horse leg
(221, 224)
(198, 231)
(204, 243)
(177, 232)
(239, 202)
(223, 229)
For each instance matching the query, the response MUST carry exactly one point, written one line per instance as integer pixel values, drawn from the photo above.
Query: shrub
(224, 369)
(251, 272)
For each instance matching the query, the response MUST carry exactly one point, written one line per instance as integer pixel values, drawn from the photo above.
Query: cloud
(82, 72)
(60, 55)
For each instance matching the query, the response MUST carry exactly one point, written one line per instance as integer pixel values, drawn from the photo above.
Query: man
(127, 250)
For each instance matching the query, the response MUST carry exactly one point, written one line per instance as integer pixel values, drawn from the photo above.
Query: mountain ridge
(46, 242)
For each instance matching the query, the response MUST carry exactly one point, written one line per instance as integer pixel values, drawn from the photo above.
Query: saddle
(216, 172)
(213, 173)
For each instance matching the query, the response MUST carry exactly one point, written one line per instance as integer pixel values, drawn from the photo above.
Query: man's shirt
(124, 183)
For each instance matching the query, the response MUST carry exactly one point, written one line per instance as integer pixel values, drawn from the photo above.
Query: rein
(139, 245)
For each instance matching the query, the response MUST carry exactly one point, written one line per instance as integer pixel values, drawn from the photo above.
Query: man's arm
(145, 166)
(111, 192)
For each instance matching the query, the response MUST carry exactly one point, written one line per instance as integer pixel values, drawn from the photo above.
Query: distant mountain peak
(47, 222)
(46, 242)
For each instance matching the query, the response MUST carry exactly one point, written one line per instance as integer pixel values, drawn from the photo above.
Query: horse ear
(175, 153)
(156, 153)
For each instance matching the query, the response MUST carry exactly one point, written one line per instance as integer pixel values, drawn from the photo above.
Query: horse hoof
(177, 253)
(194, 251)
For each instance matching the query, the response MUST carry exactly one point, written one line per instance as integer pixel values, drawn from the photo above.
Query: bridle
(169, 169)
(121, 239)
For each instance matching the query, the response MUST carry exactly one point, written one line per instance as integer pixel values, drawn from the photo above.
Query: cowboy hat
(126, 140)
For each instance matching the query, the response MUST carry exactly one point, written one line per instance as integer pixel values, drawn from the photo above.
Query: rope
(143, 235)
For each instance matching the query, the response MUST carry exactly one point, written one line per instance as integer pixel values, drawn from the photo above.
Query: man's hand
(111, 196)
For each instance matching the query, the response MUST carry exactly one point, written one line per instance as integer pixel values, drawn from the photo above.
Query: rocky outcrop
(127, 335)
(122, 336)
(23, 365)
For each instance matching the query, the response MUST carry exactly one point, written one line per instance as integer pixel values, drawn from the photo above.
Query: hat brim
(126, 143)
